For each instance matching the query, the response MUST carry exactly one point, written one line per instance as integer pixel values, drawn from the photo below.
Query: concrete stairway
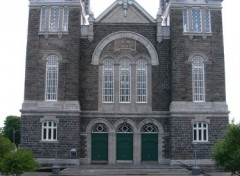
(125, 170)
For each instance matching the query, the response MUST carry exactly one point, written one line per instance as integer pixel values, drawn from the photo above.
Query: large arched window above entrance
(108, 80)
(124, 128)
(141, 82)
(99, 128)
(149, 128)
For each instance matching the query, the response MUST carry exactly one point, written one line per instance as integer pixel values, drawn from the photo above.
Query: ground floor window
(49, 131)
(200, 132)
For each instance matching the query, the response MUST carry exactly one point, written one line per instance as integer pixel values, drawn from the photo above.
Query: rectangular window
(196, 20)
(49, 131)
(54, 19)
(200, 132)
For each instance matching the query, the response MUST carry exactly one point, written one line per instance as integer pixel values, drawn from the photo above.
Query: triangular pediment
(125, 12)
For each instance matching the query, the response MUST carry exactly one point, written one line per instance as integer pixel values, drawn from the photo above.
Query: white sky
(13, 30)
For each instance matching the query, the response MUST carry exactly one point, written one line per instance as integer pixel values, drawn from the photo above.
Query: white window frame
(204, 20)
(108, 72)
(51, 85)
(125, 68)
(200, 132)
(198, 79)
(54, 25)
(49, 131)
(141, 81)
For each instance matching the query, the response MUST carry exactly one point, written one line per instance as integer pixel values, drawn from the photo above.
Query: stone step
(125, 172)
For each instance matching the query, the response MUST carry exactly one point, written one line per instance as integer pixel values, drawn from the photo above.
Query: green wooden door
(124, 146)
(100, 146)
(149, 147)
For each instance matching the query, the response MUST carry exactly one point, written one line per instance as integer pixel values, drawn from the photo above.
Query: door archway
(125, 142)
(149, 133)
(99, 143)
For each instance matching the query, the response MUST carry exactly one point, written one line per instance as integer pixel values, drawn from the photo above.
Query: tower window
(54, 19)
(198, 81)
(51, 78)
(196, 20)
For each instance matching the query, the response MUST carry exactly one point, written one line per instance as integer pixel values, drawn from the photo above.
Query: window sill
(49, 141)
(47, 33)
(200, 142)
(204, 35)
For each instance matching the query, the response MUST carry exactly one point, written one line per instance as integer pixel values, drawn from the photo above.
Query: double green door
(99, 147)
(149, 147)
(124, 146)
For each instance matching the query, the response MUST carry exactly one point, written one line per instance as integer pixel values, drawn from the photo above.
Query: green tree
(11, 129)
(17, 162)
(226, 153)
(5, 146)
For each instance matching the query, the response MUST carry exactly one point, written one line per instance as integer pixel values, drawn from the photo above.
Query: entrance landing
(125, 170)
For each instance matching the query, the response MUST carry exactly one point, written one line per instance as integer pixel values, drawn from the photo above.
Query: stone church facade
(124, 87)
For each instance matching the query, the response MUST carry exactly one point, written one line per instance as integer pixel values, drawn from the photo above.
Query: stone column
(112, 148)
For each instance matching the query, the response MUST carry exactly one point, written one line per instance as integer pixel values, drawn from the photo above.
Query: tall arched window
(198, 81)
(125, 80)
(108, 80)
(51, 78)
(141, 81)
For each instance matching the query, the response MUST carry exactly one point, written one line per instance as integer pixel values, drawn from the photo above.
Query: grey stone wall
(89, 73)
(181, 141)
(182, 47)
(38, 46)
(68, 137)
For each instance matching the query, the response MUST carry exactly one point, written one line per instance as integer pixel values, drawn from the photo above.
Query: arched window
(198, 81)
(99, 128)
(149, 128)
(49, 131)
(125, 80)
(108, 80)
(51, 78)
(125, 128)
(141, 81)
(200, 132)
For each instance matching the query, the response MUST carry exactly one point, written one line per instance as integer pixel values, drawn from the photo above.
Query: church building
(124, 87)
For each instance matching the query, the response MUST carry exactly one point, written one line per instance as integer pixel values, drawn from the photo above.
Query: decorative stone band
(199, 108)
(50, 107)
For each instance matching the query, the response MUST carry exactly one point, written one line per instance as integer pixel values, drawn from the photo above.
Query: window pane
(108, 80)
(198, 79)
(194, 135)
(141, 80)
(204, 135)
(207, 20)
(44, 133)
(199, 135)
(196, 20)
(125, 80)
(49, 133)
(185, 20)
(65, 19)
(51, 77)
(54, 18)
(43, 21)
(54, 134)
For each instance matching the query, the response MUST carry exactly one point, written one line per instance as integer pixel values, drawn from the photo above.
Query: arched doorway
(149, 133)
(99, 143)
(124, 142)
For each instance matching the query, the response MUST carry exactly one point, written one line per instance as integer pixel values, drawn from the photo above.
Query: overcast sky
(13, 30)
